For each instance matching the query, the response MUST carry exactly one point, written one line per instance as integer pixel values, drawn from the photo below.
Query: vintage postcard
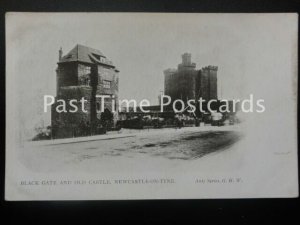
(103, 106)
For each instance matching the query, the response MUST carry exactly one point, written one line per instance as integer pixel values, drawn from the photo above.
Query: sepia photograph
(104, 106)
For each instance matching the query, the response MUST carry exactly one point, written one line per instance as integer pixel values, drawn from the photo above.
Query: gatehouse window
(98, 106)
(106, 84)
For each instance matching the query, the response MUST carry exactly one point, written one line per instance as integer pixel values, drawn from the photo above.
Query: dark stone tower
(83, 72)
(186, 82)
(180, 83)
(208, 83)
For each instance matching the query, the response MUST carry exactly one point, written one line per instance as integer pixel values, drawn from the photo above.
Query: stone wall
(208, 83)
(181, 84)
(68, 124)
(66, 75)
(204, 84)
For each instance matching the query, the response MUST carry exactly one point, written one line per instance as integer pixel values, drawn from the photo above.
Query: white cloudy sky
(251, 50)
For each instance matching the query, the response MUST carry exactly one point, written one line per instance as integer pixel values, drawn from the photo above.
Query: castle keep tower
(186, 82)
(179, 83)
(84, 72)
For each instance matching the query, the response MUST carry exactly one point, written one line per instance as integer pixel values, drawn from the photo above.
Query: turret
(60, 53)
(186, 59)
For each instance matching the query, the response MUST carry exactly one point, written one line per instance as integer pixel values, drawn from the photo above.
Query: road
(184, 144)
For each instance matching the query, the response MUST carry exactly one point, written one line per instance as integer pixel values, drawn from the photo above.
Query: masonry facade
(85, 72)
(186, 82)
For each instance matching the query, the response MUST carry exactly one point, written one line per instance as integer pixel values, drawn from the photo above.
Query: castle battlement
(210, 68)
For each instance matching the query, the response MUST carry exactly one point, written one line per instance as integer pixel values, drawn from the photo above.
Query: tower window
(87, 70)
(106, 84)
(98, 106)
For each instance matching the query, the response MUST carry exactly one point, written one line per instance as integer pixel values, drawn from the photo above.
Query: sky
(250, 50)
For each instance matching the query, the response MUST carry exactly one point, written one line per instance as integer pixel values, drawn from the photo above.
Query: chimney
(60, 53)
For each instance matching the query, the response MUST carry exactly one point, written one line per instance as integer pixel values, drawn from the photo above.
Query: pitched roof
(85, 54)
